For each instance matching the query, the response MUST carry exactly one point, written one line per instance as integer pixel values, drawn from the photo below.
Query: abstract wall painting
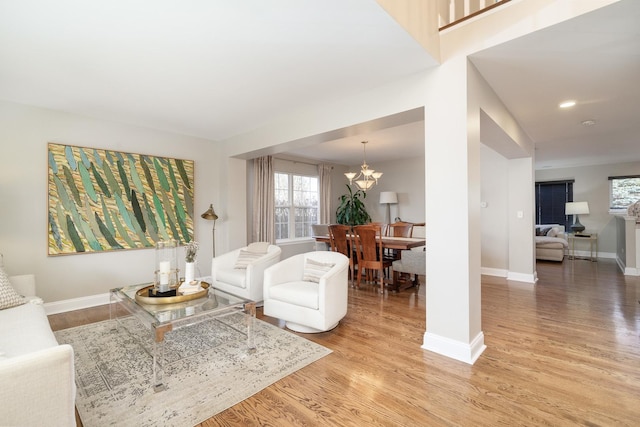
(105, 200)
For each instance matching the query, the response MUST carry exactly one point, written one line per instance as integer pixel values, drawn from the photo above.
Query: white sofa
(37, 379)
(244, 282)
(309, 296)
(552, 244)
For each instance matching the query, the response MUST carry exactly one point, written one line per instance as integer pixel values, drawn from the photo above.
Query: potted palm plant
(351, 210)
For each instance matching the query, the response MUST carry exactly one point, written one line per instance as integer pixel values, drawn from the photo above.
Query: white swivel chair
(241, 271)
(309, 291)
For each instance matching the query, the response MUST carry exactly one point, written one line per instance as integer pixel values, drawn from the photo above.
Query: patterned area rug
(207, 369)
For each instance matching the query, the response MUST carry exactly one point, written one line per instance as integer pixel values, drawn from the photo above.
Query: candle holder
(166, 276)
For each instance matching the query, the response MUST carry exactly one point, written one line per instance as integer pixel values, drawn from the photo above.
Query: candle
(165, 267)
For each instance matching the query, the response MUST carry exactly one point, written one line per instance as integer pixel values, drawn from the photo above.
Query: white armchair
(244, 282)
(309, 291)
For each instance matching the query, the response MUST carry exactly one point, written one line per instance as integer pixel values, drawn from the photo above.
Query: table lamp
(576, 208)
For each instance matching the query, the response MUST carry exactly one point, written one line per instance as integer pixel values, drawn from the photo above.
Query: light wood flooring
(563, 352)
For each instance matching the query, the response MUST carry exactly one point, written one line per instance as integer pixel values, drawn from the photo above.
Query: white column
(452, 169)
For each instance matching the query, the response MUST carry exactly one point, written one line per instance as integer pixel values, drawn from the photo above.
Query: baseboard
(76, 303)
(522, 277)
(467, 353)
(509, 275)
(627, 271)
(497, 272)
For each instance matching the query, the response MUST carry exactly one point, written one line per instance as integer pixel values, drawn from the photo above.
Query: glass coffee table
(161, 318)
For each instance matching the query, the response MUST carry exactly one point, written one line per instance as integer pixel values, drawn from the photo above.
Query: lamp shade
(388, 197)
(576, 208)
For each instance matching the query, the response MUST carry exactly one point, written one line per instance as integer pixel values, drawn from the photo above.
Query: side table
(592, 238)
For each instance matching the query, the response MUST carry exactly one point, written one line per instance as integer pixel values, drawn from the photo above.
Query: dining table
(390, 242)
(397, 244)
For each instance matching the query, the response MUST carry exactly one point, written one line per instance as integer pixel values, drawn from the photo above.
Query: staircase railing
(452, 12)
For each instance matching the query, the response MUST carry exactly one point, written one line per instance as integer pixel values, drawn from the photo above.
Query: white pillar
(452, 169)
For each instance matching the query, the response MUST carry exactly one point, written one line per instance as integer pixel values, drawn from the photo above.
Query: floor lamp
(388, 197)
(210, 215)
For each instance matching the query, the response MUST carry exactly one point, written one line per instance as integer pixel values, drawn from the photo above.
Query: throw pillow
(258, 247)
(553, 232)
(542, 231)
(314, 270)
(245, 258)
(8, 296)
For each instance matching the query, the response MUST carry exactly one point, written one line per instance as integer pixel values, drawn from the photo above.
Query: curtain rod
(299, 161)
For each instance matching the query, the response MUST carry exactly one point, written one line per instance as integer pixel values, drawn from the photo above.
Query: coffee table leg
(250, 309)
(158, 357)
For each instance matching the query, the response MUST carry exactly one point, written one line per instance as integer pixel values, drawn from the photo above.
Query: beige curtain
(324, 172)
(263, 200)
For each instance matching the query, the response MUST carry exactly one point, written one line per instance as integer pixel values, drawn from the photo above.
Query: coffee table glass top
(215, 301)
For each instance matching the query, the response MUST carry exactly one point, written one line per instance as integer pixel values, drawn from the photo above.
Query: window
(623, 191)
(297, 203)
(550, 200)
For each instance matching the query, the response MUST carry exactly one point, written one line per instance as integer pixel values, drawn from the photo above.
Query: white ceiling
(217, 68)
(593, 59)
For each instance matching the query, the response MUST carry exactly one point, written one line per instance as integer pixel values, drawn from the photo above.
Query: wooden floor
(563, 352)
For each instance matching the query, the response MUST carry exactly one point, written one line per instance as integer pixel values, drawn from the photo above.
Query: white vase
(189, 272)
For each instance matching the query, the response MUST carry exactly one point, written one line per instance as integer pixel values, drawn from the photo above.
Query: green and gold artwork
(104, 200)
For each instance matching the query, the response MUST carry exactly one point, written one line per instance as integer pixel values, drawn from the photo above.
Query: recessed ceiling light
(567, 104)
(588, 122)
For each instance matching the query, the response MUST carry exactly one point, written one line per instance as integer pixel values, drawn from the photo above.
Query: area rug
(207, 369)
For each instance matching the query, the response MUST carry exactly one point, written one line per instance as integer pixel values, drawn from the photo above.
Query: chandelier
(367, 178)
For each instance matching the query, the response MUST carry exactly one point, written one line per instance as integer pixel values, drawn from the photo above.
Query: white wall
(284, 134)
(592, 185)
(24, 134)
(406, 178)
(495, 231)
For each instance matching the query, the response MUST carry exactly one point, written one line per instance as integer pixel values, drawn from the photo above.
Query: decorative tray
(142, 296)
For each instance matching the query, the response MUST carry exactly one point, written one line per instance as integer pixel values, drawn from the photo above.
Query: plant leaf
(123, 212)
(68, 176)
(135, 205)
(52, 163)
(107, 234)
(68, 152)
(111, 179)
(55, 231)
(100, 181)
(147, 175)
(135, 177)
(149, 219)
(107, 218)
(74, 236)
(161, 175)
(183, 173)
(97, 158)
(84, 159)
(122, 231)
(159, 210)
(123, 178)
(172, 176)
(86, 182)
(188, 201)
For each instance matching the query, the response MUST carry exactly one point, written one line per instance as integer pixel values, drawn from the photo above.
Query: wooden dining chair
(340, 240)
(400, 229)
(368, 248)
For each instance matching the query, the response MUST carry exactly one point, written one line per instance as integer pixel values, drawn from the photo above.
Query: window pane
(624, 191)
(297, 202)
(550, 202)
(282, 223)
